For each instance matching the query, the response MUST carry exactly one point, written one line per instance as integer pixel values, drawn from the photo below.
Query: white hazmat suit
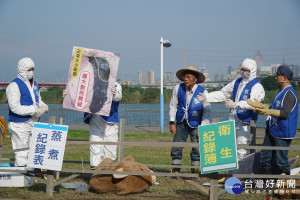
(104, 131)
(226, 94)
(21, 131)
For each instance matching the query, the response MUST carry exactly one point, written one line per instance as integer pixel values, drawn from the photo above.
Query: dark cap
(285, 70)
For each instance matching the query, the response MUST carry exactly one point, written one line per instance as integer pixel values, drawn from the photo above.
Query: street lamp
(163, 43)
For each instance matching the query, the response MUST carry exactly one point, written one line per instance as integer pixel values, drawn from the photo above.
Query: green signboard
(217, 144)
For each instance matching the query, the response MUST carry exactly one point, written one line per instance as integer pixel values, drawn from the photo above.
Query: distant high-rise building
(142, 78)
(205, 73)
(151, 77)
(274, 68)
(259, 61)
(170, 78)
(265, 71)
(219, 77)
(295, 69)
(229, 70)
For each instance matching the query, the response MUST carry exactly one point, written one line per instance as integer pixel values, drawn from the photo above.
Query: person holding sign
(187, 113)
(235, 95)
(281, 123)
(25, 108)
(104, 129)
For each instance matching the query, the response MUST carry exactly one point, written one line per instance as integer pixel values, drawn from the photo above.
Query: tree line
(138, 94)
(54, 95)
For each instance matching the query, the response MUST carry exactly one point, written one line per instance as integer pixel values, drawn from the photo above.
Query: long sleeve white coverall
(102, 131)
(21, 131)
(257, 92)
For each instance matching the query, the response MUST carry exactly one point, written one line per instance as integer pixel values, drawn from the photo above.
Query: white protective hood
(23, 65)
(251, 65)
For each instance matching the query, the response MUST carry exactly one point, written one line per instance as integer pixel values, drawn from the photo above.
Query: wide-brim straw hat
(200, 77)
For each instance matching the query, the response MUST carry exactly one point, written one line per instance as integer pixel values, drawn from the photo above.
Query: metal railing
(212, 191)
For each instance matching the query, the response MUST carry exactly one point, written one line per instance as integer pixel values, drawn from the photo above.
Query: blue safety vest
(195, 108)
(25, 100)
(284, 128)
(245, 115)
(113, 115)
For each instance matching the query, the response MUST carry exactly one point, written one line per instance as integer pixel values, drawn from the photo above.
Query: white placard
(47, 146)
(91, 76)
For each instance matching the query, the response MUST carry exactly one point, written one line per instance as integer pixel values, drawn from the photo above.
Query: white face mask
(29, 75)
(245, 75)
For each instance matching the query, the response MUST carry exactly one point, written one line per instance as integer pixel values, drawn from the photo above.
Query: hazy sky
(215, 33)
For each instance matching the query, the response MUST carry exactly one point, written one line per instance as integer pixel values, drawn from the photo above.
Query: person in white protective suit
(235, 95)
(104, 129)
(25, 108)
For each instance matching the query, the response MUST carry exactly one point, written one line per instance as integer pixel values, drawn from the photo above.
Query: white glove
(39, 112)
(201, 97)
(64, 93)
(230, 104)
(113, 90)
(45, 107)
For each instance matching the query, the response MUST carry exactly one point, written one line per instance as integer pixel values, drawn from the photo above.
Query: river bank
(260, 132)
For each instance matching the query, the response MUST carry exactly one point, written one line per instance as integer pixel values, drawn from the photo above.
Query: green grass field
(168, 188)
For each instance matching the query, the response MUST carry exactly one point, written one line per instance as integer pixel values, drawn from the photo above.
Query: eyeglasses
(188, 77)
